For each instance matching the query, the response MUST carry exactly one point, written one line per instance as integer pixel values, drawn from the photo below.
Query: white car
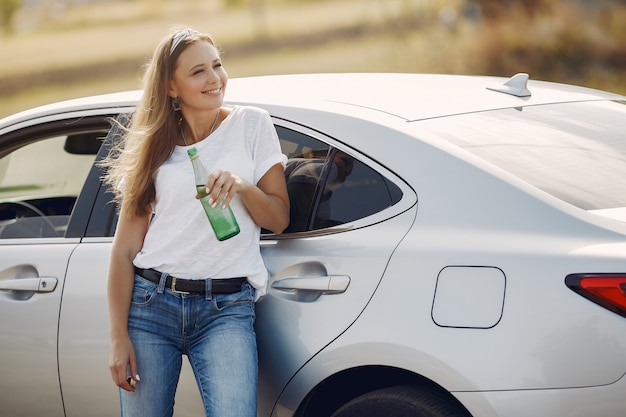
(457, 247)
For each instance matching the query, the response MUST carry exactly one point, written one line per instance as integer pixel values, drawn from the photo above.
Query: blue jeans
(215, 331)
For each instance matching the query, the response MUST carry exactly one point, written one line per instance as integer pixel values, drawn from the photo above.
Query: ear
(171, 91)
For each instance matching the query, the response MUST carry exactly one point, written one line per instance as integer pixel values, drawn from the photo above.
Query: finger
(133, 368)
(120, 379)
(212, 182)
(225, 192)
(220, 188)
(131, 381)
(128, 385)
(133, 378)
(228, 192)
(127, 382)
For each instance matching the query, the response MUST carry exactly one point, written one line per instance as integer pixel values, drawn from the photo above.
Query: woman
(164, 242)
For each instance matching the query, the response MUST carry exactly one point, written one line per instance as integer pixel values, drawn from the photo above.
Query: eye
(198, 71)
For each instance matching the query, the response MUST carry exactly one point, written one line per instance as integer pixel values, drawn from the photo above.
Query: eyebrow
(203, 64)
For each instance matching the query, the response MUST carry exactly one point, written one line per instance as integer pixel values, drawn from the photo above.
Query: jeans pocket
(143, 292)
(243, 297)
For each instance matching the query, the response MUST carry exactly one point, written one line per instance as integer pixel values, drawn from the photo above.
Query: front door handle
(40, 284)
(330, 284)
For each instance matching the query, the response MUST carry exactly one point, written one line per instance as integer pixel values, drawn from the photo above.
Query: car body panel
(113, 103)
(560, 402)
(84, 350)
(291, 318)
(29, 327)
(542, 349)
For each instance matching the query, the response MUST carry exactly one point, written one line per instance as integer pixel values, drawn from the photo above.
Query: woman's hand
(122, 358)
(222, 187)
(267, 202)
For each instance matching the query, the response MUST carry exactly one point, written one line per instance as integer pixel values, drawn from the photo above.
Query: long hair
(154, 128)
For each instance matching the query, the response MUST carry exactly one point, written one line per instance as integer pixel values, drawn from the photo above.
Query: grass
(99, 48)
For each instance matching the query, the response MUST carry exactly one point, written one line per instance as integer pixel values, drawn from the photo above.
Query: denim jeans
(216, 333)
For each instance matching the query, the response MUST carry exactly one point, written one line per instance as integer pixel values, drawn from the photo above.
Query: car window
(328, 187)
(352, 191)
(573, 151)
(306, 159)
(39, 184)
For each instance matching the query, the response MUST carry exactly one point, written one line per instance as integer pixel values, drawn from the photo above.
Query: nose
(212, 77)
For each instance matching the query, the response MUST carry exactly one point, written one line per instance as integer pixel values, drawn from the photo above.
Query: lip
(213, 91)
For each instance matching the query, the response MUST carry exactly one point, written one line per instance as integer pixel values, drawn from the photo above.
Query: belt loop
(208, 289)
(161, 287)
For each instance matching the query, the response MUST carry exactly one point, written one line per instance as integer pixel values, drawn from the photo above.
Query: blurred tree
(260, 18)
(493, 9)
(234, 3)
(8, 8)
(575, 42)
(258, 9)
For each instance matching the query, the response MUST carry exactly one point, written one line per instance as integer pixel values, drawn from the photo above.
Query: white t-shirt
(180, 240)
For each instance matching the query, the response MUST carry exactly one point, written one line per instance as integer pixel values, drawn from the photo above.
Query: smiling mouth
(214, 91)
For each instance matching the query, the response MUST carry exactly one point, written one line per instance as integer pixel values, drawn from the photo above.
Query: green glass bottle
(222, 219)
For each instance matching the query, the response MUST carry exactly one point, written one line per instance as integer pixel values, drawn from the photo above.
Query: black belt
(193, 286)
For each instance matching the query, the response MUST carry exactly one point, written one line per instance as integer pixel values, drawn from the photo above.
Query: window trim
(408, 200)
(41, 128)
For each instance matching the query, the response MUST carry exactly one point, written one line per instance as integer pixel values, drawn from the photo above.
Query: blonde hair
(154, 128)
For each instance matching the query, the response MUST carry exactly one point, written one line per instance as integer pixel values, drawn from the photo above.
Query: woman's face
(199, 80)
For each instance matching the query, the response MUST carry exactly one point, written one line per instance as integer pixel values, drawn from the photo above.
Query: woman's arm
(267, 202)
(127, 242)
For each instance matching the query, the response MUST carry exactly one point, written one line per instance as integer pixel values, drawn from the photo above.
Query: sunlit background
(53, 49)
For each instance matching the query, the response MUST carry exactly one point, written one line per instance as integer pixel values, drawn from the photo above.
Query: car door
(347, 216)
(43, 166)
(83, 320)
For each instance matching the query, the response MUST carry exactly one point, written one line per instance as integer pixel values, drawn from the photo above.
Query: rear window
(573, 151)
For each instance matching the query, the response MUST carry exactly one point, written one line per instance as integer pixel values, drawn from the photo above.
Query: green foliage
(564, 42)
(234, 3)
(8, 9)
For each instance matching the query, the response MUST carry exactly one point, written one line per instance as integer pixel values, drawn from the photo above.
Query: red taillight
(607, 290)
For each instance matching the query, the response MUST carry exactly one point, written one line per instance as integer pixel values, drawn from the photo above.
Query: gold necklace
(182, 131)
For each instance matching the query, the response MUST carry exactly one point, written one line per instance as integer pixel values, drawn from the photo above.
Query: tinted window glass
(352, 191)
(306, 160)
(328, 187)
(39, 184)
(574, 151)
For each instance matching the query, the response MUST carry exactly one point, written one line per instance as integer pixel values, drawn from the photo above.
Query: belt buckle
(173, 287)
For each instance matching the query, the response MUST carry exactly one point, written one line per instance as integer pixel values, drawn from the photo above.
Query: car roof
(107, 103)
(407, 96)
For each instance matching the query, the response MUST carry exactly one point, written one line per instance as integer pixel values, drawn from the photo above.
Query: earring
(176, 104)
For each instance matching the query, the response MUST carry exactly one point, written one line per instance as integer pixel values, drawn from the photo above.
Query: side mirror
(84, 143)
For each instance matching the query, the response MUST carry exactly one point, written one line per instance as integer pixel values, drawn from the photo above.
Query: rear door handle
(330, 284)
(40, 284)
